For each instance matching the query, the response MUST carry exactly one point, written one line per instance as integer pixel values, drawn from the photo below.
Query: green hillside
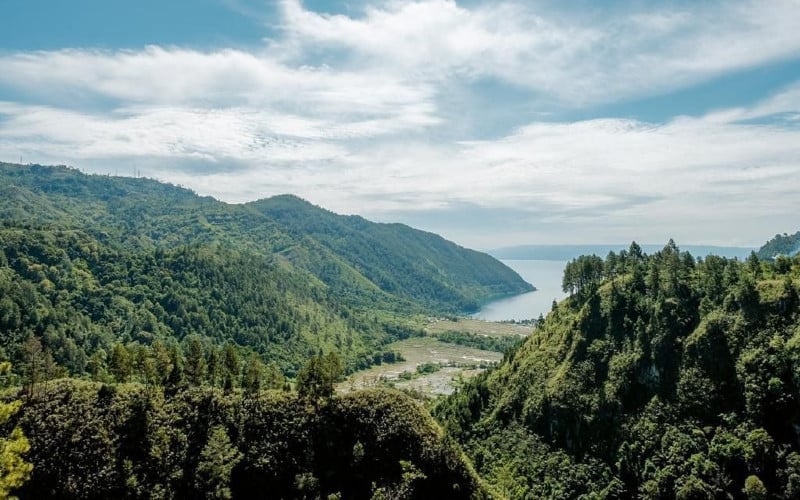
(90, 440)
(660, 377)
(92, 262)
(362, 261)
(413, 264)
(781, 244)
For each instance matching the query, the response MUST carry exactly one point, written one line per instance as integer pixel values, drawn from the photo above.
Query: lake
(545, 275)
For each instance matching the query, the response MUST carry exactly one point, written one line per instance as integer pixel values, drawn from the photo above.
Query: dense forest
(93, 440)
(158, 344)
(784, 244)
(388, 265)
(166, 345)
(661, 376)
(94, 264)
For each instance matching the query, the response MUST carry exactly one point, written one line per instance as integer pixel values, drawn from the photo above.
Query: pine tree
(217, 460)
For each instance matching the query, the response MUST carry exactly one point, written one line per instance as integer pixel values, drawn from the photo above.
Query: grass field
(454, 360)
(476, 326)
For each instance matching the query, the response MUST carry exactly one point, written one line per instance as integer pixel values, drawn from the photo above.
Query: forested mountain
(90, 262)
(402, 261)
(143, 213)
(782, 244)
(661, 376)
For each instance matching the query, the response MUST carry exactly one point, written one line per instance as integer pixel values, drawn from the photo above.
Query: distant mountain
(569, 252)
(400, 260)
(781, 244)
(88, 262)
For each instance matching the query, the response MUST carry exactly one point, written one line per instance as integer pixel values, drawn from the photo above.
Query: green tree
(195, 367)
(217, 460)
(14, 470)
(317, 378)
(231, 366)
(253, 375)
(120, 363)
(754, 489)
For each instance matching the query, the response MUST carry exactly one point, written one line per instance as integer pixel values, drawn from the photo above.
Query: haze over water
(545, 275)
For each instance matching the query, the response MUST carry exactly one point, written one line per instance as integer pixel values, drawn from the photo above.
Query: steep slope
(785, 244)
(400, 260)
(82, 296)
(89, 263)
(390, 265)
(661, 377)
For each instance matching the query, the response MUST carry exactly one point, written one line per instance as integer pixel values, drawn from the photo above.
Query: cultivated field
(454, 360)
(476, 326)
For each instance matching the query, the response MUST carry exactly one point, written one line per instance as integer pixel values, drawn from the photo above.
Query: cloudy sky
(492, 123)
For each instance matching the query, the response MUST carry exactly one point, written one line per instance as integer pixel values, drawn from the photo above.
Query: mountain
(660, 377)
(406, 262)
(90, 264)
(569, 252)
(781, 244)
(350, 254)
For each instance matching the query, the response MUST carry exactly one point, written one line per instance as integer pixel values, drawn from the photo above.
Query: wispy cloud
(367, 113)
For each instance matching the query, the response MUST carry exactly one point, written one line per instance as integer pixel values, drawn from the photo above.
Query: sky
(491, 123)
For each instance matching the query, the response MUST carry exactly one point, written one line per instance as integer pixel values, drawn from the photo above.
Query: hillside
(402, 261)
(364, 262)
(93, 262)
(781, 244)
(91, 440)
(660, 377)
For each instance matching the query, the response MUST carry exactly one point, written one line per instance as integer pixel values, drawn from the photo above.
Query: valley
(156, 341)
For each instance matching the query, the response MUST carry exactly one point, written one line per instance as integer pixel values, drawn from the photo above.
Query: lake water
(545, 275)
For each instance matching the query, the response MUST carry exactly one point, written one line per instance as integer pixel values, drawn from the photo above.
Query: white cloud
(563, 55)
(363, 114)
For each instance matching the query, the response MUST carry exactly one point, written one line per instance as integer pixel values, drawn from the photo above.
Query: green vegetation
(94, 440)
(477, 341)
(171, 346)
(14, 470)
(91, 264)
(416, 265)
(661, 376)
(782, 244)
(389, 266)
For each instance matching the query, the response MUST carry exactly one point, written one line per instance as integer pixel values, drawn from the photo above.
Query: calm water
(545, 275)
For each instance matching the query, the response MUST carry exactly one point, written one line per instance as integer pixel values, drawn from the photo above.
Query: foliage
(98, 269)
(14, 470)
(662, 376)
(500, 343)
(316, 380)
(412, 264)
(92, 440)
(782, 244)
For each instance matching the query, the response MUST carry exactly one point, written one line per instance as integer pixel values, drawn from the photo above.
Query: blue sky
(492, 123)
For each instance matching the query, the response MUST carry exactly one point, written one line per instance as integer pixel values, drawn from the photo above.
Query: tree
(120, 363)
(754, 489)
(754, 265)
(195, 367)
(253, 375)
(217, 460)
(32, 364)
(317, 378)
(231, 366)
(14, 470)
